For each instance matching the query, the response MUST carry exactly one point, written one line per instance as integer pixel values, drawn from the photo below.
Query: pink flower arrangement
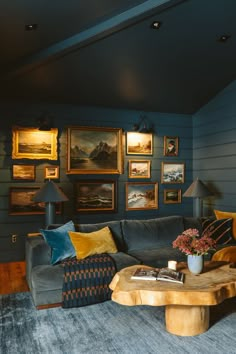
(190, 242)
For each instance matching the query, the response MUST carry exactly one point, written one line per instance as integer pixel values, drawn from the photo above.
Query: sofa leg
(48, 306)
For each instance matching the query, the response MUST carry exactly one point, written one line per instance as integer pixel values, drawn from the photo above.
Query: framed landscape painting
(31, 143)
(23, 172)
(94, 150)
(172, 196)
(51, 172)
(139, 168)
(172, 172)
(141, 195)
(21, 202)
(139, 143)
(95, 196)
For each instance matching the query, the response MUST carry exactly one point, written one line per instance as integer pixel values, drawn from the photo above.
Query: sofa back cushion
(151, 233)
(114, 226)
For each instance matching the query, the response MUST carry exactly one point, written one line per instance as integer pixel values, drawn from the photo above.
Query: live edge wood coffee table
(186, 305)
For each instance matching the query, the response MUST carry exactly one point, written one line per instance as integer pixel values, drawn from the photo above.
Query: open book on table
(165, 274)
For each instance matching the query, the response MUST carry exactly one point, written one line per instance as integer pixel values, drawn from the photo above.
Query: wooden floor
(12, 278)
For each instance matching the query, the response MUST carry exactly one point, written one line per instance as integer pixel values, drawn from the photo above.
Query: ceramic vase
(195, 264)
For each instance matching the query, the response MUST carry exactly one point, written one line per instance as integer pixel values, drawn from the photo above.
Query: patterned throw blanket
(86, 281)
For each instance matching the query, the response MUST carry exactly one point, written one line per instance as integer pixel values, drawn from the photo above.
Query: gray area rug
(106, 328)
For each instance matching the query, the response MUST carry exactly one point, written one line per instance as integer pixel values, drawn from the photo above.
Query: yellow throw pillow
(225, 215)
(227, 254)
(88, 244)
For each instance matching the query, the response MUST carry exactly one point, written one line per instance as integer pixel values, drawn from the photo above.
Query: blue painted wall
(214, 150)
(25, 114)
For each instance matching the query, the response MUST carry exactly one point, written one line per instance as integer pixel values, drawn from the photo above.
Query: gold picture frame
(31, 143)
(21, 202)
(96, 196)
(172, 172)
(171, 145)
(172, 196)
(23, 172)
(94, 150)
(139, 168)
(141, 195)
(51, 172)
(139, 143)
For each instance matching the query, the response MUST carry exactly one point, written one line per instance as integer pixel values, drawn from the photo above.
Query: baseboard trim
(48, 306)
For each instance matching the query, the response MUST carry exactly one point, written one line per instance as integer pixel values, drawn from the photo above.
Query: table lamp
(197, 190)
(50, 194)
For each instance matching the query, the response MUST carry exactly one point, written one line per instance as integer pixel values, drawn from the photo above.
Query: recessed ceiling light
(31, 27)
(224, 38)
(156, 25)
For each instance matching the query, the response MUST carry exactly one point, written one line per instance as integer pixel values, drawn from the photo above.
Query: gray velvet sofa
(138, 242)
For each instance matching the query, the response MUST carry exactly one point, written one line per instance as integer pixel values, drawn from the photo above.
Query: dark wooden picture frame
(23, 172)
(171, 145)
(94, 150)
(139, 168)
(21, 202)
(172, 196)
(139, 143)
(141, 195)
(172, 172)
(96, 196)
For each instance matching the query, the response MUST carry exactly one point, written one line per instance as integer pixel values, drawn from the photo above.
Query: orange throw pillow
(225, 215)
(227, 254)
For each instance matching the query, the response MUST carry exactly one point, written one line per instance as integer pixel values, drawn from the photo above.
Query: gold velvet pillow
(88, 244)
(225, 215)
(227, 254)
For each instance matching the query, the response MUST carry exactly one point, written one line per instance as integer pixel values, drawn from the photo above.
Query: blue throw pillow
(60, 243)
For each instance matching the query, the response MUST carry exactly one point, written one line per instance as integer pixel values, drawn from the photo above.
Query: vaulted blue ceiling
(105, 52)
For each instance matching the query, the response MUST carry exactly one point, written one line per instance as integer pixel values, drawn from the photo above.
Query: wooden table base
(187, 320)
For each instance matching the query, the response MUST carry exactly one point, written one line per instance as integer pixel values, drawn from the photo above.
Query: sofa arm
(37, 252)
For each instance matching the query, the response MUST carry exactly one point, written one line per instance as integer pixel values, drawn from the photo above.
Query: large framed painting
(172, 172)
(23, 172)
(172, 196)
(95, 196)
(139, 168)
(141, 195)
(21, 202)
(139, 143)
(94, 150)
(31, 143)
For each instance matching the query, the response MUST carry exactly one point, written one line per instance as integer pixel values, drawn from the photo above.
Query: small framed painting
(95, 196)
(23, 172)
(51, 172)
(172, 196)
(139, 168)
(172, 172)
(139, 143)
(171, 145)
(141, 195)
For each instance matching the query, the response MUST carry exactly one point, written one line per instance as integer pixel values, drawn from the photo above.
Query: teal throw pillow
(60, 243)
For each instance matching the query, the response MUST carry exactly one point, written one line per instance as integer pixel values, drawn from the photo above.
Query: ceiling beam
(93, 34)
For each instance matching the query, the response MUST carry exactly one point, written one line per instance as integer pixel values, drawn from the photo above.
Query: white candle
(172, 265)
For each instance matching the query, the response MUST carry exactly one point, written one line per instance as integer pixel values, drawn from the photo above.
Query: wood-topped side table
(186, 305)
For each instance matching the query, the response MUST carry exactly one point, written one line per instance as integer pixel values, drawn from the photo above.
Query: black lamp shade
(50, 193)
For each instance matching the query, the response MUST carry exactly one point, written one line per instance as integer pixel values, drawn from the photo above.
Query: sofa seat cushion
(47, 277)
(123, 260)
(158, 257)
(152, 233)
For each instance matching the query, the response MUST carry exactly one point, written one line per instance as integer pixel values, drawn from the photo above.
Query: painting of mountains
(94, 150)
